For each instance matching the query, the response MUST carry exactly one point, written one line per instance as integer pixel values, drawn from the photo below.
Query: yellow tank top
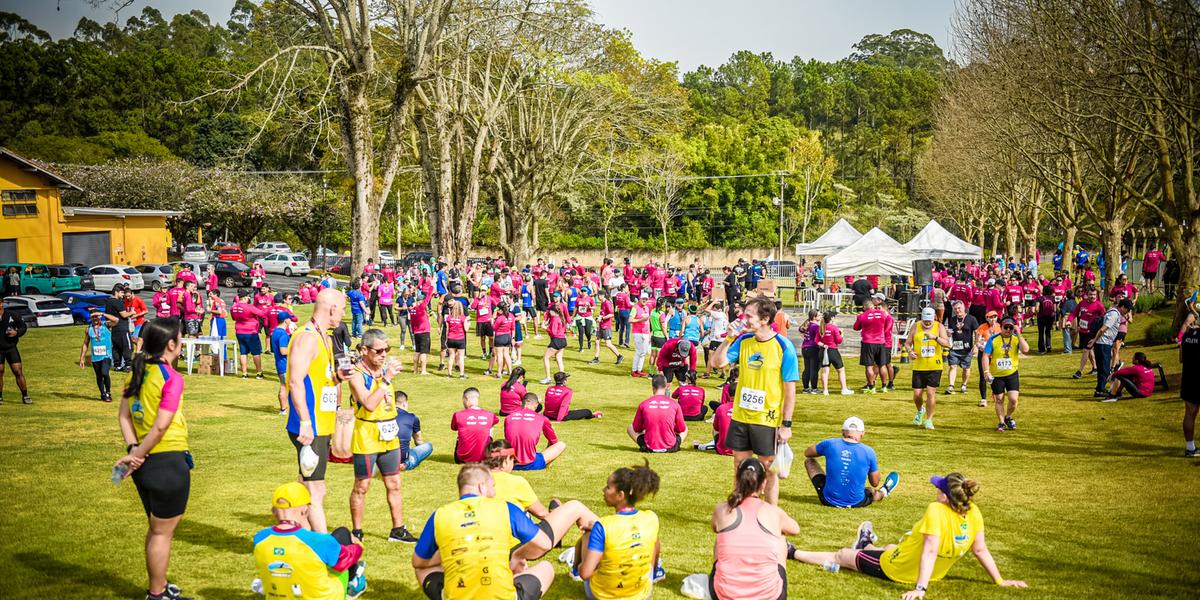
(628, 561)
(321, 390)
(375, 430)
(1005, 357)
(929, 352)
(474, 536)
(162, 388)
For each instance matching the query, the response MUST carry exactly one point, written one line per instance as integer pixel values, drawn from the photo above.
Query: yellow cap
(291, 495)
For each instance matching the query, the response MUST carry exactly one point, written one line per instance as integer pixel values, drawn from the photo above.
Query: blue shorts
(249, 343)
(539, 463)
(962, 361)
(137, 330)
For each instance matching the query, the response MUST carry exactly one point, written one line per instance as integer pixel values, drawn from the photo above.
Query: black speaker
(923, 272)
(910, 303)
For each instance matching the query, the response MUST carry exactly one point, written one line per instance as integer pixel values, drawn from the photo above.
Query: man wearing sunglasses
(1002, 357)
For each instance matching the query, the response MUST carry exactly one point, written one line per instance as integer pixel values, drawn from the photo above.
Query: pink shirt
(621, 300)
(606, 315)
(418, 315)
(660, 419)
(1142, 376)
(386, 292)
(874, 325)
(558, 401)
(641, 312)
(523, 429)
(690, 398)
(474, 427)
(162, 304)
(502, 324)
(191, 310)
(175, 296)
(245, 317)
(721, 421)
(832, 337)
(1088, 315)
(1013, 293)
(555, 326)
(584, 306)
(456, 327)
(511, 399)
(483, 310)
(212, 281)
(1151, 260)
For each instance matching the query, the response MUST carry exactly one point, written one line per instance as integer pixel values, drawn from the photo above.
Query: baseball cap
(278, 297)
(684, 348)
(291, 495)
(1008, 321)
(285, 316)
(940, 483)
(878, 296)
(927, 314)
(991, 313)
(853, 424)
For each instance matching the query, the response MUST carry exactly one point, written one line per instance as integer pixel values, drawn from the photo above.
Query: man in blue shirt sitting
(849, 462)
(413, 447)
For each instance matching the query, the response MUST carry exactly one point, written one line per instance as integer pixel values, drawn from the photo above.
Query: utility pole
(779, 257)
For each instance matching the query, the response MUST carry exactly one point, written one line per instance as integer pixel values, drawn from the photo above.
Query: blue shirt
(357, 301)
(673, 325)
(846, 468)
(440, 286)
(572, 296)
(409, 425)
(1058, 262)
(1081, 258)
(523, 528)
(526, 297)
(280, 339)
(99, 343)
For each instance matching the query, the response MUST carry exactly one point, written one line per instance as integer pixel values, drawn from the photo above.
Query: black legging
(385, 314)
(1045, 326)
(122, 347)
(983, 384)
(585, 330)
(578, 414)
(103, 381)
(812, 366)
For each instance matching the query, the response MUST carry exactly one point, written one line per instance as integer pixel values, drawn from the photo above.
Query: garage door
(87, 248)
(8, 251)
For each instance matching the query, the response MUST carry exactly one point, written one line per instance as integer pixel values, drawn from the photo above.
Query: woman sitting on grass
(951, 526)
(750, 553)
(1137, 379)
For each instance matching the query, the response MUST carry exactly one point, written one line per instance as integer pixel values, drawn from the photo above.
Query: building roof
(33, 167)
(73, 211)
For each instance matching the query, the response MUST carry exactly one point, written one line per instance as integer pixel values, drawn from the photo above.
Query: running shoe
(825, 392)
(545, 381)
(1001, 427)
(283, 412)
(659, 572)
(26, 400)
(1118, 367)
(866, 535)
(847, 392)
(463, 376)
(889, 483)
(950, 391)
(929, 424)
(1190, 453)
(358, 584)
(866, 389)
(1077, 375)
(919, 417)
(891, 387)
(1111, 398)
(1092, 372)
(259, 376)
(357, 533)
(170, 592)
(791, 551)
(1100, 394)
(401, 534)
(594, 361)
(1011, 423)
(963, 389)
(567, 556)
(983, 402)
(620, 359)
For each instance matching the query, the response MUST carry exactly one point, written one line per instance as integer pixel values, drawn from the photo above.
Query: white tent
(839, 236)
(936, 243)
(875, 253)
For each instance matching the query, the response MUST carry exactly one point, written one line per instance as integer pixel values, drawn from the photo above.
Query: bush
(1148, 302)
(1160, 332)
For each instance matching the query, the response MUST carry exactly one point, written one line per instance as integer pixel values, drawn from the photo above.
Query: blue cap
(285, 315)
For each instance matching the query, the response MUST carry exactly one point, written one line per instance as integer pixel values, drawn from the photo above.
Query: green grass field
(1086, 500)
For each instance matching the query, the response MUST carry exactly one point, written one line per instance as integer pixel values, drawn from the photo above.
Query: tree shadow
(87, 579)
(266, 410)
(203, 534)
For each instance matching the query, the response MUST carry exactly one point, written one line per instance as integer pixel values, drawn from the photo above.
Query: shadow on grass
(53, 569)
(630, 447)
(442, 458)
(261, 409)
(203, 534)
(256, 519)
(242, 594)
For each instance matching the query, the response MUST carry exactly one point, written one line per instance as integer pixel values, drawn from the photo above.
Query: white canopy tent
(839, 236)
(934, 242)
(875, 253)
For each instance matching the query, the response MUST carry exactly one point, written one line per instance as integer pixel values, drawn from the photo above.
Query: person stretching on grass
(658, 423)
(523, 428)
(951, 526)
(851, 464)
(558, 402)
(557, 520)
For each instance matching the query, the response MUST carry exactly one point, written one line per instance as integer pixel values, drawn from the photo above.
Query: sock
(1191, 446)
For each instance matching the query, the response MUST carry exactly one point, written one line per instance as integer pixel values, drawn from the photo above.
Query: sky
(690, 32)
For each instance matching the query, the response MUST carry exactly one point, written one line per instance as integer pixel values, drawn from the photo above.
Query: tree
(661, 173)
(811, 172)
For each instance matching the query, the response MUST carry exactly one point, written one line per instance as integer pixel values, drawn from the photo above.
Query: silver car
(195, 252)
(156, 277)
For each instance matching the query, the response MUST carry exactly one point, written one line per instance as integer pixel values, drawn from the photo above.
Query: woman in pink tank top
(750, 552)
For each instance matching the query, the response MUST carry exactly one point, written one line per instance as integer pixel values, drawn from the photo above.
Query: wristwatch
(919, 588)
(787, 423)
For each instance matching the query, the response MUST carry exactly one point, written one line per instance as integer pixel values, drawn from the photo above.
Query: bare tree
(662, 180)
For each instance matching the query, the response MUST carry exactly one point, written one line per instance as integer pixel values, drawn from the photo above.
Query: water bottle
(831, 567)
(118, 473)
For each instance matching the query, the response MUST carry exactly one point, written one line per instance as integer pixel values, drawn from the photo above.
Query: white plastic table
(216, 345)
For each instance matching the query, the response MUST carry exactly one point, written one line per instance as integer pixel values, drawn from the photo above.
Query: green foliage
(1148, 302)
(1160, 332)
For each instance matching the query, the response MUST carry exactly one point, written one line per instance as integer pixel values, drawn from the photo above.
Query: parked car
(199, 268)
(37, 278)
(196, 252)
(107, 276)
(42, 310)
(83, 304)
(415, 257)
(157, 277)
(386, 258)
(231, 253)
(86, 282)
(338, 264)
(232, 274)
(287, 264)
(271, 248)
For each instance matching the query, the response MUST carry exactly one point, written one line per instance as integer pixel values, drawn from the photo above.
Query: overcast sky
(691, 32)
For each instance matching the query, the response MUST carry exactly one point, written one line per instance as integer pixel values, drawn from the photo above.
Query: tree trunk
(1069, 234)
(1189, 275)
(995, 243)
(1110, 240)
(1010, 241)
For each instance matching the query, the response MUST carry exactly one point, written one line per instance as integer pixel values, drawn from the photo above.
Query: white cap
(853, 424)
(927, 314)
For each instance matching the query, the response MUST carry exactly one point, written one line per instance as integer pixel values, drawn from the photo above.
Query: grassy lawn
(1086, 500)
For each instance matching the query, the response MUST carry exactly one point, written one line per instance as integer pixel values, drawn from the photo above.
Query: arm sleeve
(596, 538)
(734, 351)
(638, 420)
(680, 426)
(858, 323)
(789, 370)
(548, 431)
(427, 544)
(416, 424)
(172, 392)
(928, 525)
(692, 360)
(987, 347)
(523, 528)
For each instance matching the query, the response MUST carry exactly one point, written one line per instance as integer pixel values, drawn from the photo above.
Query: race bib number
(329, 398)
(483, 310)
(166, 306)
(1083, 324)
(388, 430)
(959, 345)
(928, 351)
(1029, 296)
(99, 351)
(753, 399)
(1004, 363)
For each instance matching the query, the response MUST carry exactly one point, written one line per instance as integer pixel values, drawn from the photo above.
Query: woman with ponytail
(951, 526)
(750, 552)
(156, 441)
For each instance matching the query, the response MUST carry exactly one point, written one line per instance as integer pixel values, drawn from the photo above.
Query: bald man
(314, 388)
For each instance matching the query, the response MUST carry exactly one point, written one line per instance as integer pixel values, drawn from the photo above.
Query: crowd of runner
(676, 322)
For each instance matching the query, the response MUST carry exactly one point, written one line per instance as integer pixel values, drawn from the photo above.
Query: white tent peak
(840, 235)
(935, 242)
(875, 253)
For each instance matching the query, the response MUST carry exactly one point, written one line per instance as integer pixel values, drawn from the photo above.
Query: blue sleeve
(873, 459)
(523, 528)
(427, 544)
(596, 539)
(735, 349)
(416, 424)
(822, 447)
(790, 370)
(325, 546)
(987, 348)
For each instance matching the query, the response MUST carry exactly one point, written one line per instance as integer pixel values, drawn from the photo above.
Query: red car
(231, 253)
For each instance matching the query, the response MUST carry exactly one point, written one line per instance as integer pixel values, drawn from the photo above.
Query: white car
(270, 248)
(386, 258)
(107, 276)
(156, 277)
(42, 310)
(195, 252)
(286, 264)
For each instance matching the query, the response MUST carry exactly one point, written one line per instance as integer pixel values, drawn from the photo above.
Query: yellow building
(36, 228)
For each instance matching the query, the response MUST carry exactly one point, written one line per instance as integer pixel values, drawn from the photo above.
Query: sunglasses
(1007, 328)
(383, 350)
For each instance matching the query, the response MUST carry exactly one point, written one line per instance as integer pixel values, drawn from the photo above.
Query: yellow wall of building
(133, 240)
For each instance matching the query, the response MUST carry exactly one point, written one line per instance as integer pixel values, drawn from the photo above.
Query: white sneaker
(847, 392)
(567, 556)
(983, 402)
(824, 392)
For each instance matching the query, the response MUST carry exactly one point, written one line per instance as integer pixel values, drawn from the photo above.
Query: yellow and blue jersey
(956, 534)
(376, 431)
(627, 541)
(1004, 357)
(763, 367)
(929, 352)
(474, 535)
(162, 389)
(298, 563)
(320, 388)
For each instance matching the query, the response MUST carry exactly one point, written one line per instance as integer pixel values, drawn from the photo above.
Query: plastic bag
(696, 586)
(308, 460)
(783, 460)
